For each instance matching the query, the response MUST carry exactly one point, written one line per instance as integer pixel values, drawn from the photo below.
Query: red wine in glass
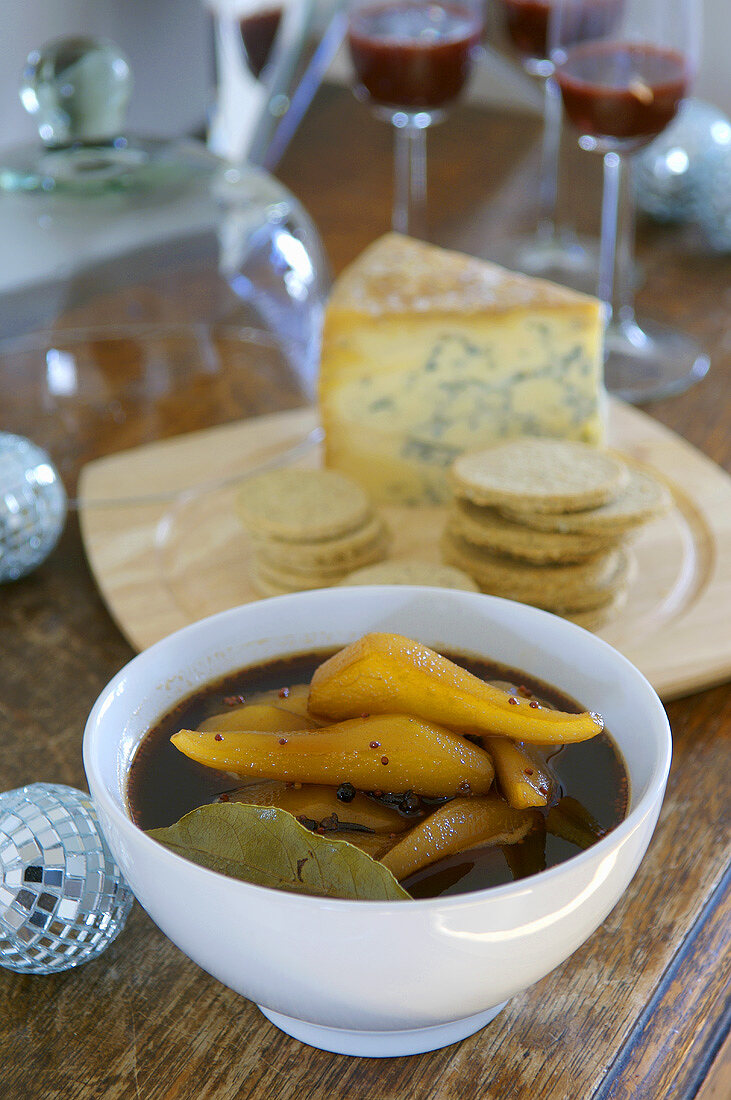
(411, 60)
(413, 55)
(527, 22)
(554, 250)
(622, 91)
(258, 32)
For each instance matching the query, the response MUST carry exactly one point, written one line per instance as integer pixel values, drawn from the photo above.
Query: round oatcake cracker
(268, 588)
(594, 618)
(296, 505)
(544, 475)
(300, 576)
(642, 499)
(343, 552)
(272, 584)
(576, 587)
(487, 527)
(412, 571)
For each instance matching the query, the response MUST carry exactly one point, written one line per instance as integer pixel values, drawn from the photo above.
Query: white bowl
(379, 978)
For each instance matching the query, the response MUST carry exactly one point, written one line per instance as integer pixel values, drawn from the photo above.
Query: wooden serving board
(165, 547)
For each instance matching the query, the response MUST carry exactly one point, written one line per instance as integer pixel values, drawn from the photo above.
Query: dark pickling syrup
(163, 784)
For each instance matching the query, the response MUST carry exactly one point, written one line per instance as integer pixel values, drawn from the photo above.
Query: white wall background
(169, 45)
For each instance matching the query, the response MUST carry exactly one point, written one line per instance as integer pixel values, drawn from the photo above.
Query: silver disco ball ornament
(32, 506)
(671, 174)
(714, 206)
(62, 897)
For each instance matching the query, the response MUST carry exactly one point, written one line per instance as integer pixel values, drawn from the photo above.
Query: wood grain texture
(161, 566)
(717, 1083)
(144, 1023)
(699, 972)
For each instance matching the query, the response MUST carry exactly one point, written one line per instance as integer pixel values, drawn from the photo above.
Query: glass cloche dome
(110, 236)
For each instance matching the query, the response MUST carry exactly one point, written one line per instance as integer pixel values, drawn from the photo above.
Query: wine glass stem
(409, 201)
(550, 149)
(616, 257)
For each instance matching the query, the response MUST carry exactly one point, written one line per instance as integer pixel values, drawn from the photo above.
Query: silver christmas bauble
(32, 506)
(714, 205)
(62, 897)
(671, 174)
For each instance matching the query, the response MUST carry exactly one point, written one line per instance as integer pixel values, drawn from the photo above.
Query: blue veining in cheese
(404, 390)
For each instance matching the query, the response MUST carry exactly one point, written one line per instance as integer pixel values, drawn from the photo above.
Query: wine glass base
(569, 260)
(648, 362)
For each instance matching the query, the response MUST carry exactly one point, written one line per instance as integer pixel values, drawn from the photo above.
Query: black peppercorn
(409, 803)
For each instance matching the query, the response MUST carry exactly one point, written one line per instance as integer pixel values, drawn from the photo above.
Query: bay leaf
(268, 846)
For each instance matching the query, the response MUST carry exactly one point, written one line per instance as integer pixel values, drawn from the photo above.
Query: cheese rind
(428, 353)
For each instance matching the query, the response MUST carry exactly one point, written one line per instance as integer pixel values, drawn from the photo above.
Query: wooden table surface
(642, 1009)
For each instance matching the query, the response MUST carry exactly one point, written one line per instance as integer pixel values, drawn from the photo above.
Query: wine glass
(266, 74)
(411, 60)
(620, 89)
(258, 30)
(552, 252)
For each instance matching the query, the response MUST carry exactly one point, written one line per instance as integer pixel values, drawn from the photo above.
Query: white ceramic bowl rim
(648, 800)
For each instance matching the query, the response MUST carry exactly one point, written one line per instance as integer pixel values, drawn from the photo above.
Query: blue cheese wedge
(428, 353)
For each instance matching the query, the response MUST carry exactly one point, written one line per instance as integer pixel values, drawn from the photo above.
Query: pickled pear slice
(292, 698)
(387, 673)
(257, 716)
(528, 857)
(571, 821)
(457, 826)
(521, 778)
(390, 752)
(316, 801)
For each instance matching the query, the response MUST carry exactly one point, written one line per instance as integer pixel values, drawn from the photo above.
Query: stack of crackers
(308, 528)
(548, 522)
(426, 574)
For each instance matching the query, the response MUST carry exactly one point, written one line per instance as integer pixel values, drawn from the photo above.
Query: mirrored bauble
(62, 897)
(32, 506)
(671, 173)
(714, 205)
